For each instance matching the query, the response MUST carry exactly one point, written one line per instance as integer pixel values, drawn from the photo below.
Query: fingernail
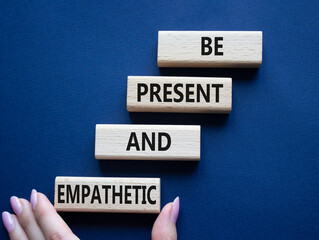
(8, 221)
(33, 198)
(16, 205)
(175, 210)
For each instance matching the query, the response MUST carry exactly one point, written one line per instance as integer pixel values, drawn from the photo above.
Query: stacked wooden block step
(234, 49)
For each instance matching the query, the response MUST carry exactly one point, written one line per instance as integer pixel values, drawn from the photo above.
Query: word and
(147, 142)
(151, 142)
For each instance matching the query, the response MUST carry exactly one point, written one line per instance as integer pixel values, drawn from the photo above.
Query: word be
(231, 49)
(206, 46)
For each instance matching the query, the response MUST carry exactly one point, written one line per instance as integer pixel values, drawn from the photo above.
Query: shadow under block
(221, 49)
(179, 94)
(89, 194)
(147, 142)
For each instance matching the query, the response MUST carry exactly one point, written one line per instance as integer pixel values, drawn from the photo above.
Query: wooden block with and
(147, 142)
(179, 94)
(92, 194)
(232, 49)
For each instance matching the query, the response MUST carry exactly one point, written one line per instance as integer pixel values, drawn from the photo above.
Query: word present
(179, 94)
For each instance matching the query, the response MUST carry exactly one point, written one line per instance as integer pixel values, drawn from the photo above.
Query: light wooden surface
(120, 141)
(179, 94)
(88, 194)
(235, 49)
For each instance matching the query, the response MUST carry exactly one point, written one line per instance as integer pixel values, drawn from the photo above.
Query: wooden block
(209, 49)
(91, 194)
(179, 94)
(147, 142)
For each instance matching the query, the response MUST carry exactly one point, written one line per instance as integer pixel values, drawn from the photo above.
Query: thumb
(165, 224)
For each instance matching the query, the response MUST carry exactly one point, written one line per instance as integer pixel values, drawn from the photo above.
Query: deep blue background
(63, 69)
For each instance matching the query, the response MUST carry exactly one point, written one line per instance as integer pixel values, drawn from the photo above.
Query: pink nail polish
(8, 221)
(175, 210)
(33, 198)
(16, 205)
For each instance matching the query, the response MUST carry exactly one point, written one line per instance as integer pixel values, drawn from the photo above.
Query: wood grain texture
(179, 142)
(184, 49)
(89, 194)
(179, 94)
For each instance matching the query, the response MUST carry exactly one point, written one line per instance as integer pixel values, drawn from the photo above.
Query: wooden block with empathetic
(147, 142)
(233, 49)
(179, 94)
(92, 194)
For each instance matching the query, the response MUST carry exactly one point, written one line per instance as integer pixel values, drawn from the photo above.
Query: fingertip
(24, 202)
(167, 209)
(44, 201)
(171, 209)
(175, 210)
(42, 196)
(50, 222)
(15, 229)
(34, 198)
(16, 205)
(165, 224)
(42, 205)
(8, 221)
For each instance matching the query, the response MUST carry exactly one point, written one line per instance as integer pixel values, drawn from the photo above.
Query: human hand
(38, 220)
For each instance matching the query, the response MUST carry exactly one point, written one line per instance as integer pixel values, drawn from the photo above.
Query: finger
(165, 224)
(50, 222)
(13, 227)
(24, 212)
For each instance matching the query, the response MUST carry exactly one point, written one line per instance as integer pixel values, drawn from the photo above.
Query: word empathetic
(107, 194)
(179, 94)
(147, 142)
(209, 49)
(120, 194)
